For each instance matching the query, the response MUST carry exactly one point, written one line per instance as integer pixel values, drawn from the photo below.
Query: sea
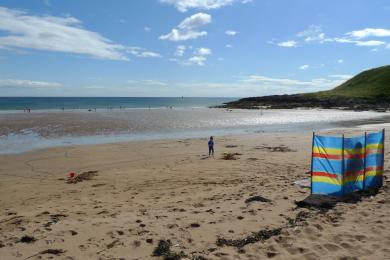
(28, 124)
(61, 103)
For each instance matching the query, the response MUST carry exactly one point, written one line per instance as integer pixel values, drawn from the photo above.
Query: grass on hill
(369, 84)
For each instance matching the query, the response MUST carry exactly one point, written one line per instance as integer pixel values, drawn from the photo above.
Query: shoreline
(26, 132)
(149, 191)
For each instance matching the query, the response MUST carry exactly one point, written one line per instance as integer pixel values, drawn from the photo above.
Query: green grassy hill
(369, 84)
(369, 90)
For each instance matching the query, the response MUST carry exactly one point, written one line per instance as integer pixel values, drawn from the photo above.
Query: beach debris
(326, 202)
(230, 156)
(317, 201)
(27, 239)
(54, 218)
(195, 225)
(84, 176)
(49, 252)
(299, 218)
(163, 249)
(113, 243)
(257, 198)
(304, 183)
(281, 148)
(261, 235)
(271, 254)
(52, 251)
(231, 146)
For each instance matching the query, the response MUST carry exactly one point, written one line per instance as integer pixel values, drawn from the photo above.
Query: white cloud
(313, 33)
(185, 5)
(149, 54)
(304, 67)
(229, 46)
(230, 33)
(197, 60)
(340, 61)
(369, 32)
(388, 46)
(186, 30)
(142, 52)
(356, 42)
(199, 57)
(147, 29)
(203, 52)
(257, 86)
(51, 33)
(341, 76)
(288, 44)
(292, 85)
(369, 43)
(28, 83)
(180, 50)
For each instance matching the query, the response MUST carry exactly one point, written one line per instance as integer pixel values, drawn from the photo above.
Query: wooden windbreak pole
(364, 162)
(311, 166)
(383, 154)
(342, 168)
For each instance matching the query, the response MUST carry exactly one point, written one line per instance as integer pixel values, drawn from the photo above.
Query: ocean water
(22, 132)
(59, 103)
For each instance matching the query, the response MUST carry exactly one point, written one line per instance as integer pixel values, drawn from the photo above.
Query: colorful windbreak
(344, 165)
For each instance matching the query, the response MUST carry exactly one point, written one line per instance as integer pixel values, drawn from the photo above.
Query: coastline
(147, 191)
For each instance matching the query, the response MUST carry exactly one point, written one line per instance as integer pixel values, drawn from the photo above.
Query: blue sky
(232, 48)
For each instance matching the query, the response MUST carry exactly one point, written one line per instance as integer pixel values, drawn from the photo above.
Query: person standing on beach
(211, 146)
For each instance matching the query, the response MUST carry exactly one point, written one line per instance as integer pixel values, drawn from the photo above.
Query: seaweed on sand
(163, 249)
(261, 235)
(230, 156)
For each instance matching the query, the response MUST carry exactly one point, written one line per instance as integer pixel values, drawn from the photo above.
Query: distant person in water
(211, 146)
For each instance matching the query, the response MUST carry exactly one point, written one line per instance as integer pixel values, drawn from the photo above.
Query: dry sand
(145, 192)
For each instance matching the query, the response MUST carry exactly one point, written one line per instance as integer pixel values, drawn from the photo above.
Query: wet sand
(152, 191)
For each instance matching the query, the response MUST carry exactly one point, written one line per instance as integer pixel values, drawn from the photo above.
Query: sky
(198, 48)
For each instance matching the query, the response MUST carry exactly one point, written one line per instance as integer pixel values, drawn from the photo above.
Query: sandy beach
(145, 192)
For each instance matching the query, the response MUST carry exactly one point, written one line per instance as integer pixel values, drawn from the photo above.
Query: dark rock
(257, 198)
(27, 239)
(297, 101)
